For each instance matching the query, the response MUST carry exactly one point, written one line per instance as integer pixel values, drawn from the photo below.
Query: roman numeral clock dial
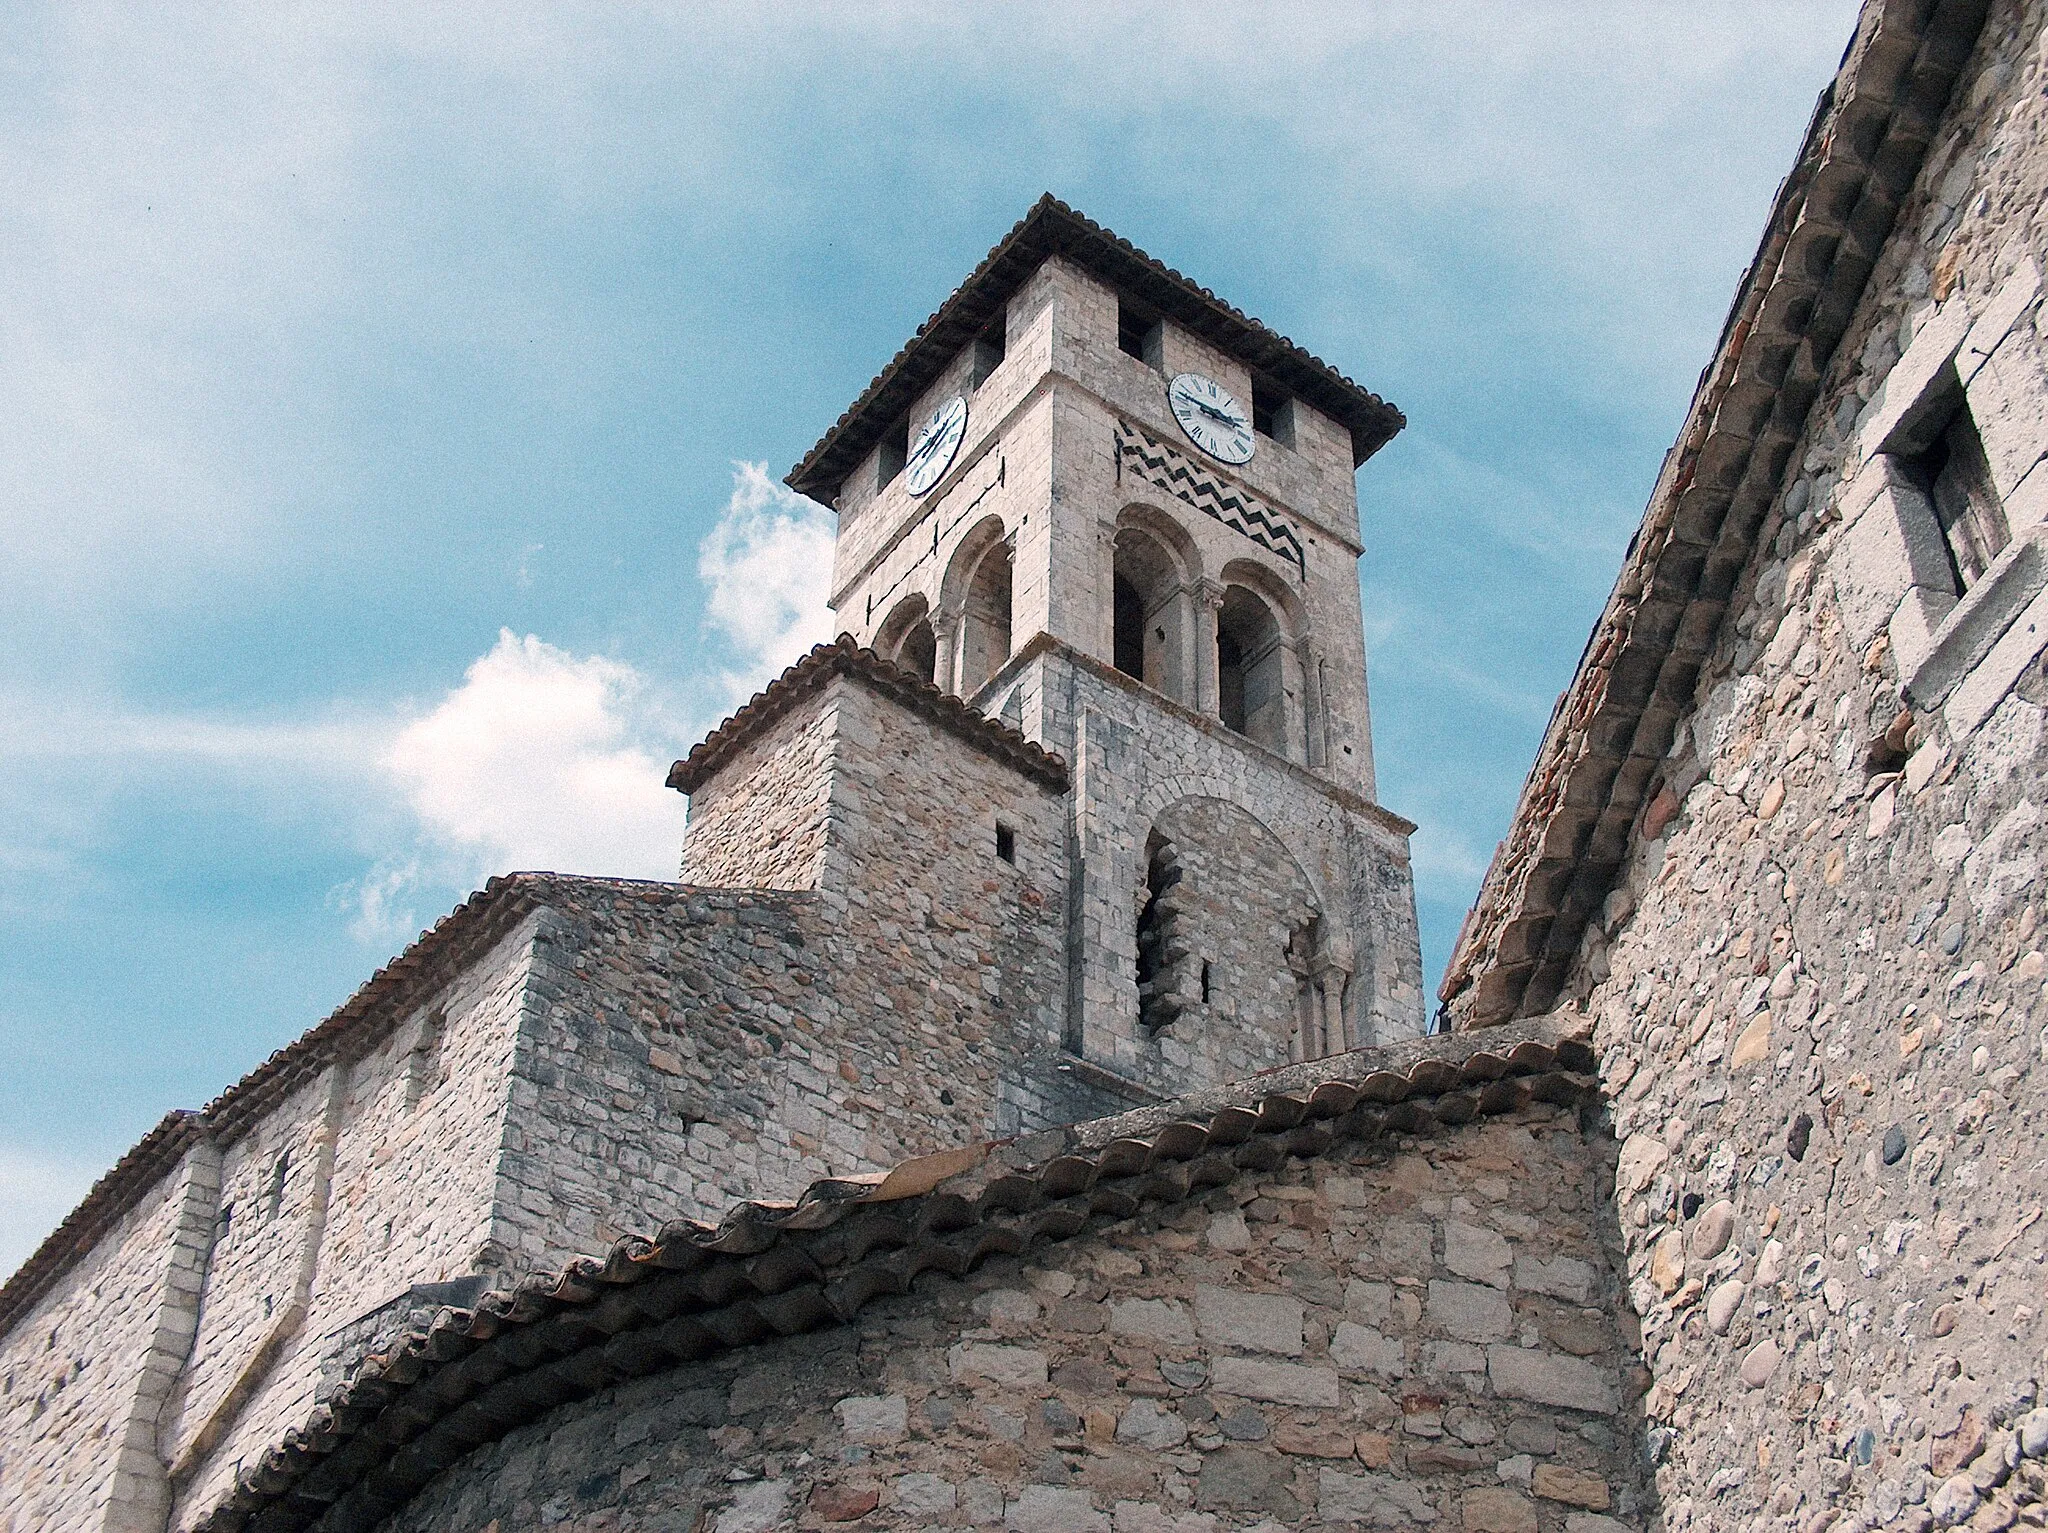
(933, 451)
(1212, 418)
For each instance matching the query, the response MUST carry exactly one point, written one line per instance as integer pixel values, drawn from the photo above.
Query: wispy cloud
(539, 758)
(767, 572)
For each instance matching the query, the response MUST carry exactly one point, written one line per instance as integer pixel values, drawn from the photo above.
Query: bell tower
(1096, 502)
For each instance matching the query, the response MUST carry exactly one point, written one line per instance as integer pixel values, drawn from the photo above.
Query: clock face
(1211, 416)
(937, 441)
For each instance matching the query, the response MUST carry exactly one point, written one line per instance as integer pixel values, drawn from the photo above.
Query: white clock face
(1211, 416)
(937, 441)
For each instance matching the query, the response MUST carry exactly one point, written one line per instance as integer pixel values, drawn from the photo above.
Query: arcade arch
(908, 638)
(978, 587)
(1152, 618)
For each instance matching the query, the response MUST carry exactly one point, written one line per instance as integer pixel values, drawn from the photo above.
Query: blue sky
(395, 400)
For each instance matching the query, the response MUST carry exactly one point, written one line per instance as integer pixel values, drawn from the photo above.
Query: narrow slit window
(1006, 842)
(280, 1171)
(423, 1060)
(1957, 476)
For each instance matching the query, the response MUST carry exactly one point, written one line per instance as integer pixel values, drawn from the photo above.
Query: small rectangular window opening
(989, 348)
(1205, 981)
(894, 452)
(1272, 413)
(1139, 334)
(1006, 842)
(1957, 477)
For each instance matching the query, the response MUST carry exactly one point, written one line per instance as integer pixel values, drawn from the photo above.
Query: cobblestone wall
(1820, 991)
(1417, 1335)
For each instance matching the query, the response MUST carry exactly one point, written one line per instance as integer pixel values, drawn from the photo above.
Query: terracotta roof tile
(468, 1376)
(845, 657)
(1601, 754)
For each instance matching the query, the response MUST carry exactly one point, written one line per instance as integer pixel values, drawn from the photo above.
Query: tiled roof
(357, 1025)
(845, 657)
(1601, 753)
(469, 1376)
(1052, 228)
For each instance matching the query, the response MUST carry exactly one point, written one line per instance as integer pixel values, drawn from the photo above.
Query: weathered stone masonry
(1812, 953)
(1747, 1234)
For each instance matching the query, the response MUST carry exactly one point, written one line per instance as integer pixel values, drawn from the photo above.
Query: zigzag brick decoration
(1153, 460)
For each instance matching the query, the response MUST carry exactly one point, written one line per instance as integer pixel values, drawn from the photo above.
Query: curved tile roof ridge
(1050, 228)
(845, 656)
(466, 1377)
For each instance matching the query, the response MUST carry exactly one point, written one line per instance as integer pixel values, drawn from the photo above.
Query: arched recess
(1236, 965)
(978, 588)
(907, 637)
(1154, 568)
(1259, 688)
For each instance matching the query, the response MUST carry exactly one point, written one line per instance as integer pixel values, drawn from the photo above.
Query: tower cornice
(1051, 229)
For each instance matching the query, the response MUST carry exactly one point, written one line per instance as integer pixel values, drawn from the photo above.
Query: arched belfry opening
(976, 599)
(985, 622)
(1251, 691)
(1149, 612)
(907, 637)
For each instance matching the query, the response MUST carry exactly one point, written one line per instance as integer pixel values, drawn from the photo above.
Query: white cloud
(767, 572)
(543, 760)
(36, 1191)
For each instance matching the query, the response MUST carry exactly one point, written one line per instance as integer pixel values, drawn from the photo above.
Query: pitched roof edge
(777, 1269)
(1052, 228)
(1635, 679)
(354, 1026)
(845, 656)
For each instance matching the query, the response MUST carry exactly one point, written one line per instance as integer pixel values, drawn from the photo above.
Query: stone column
(946, 642)
(1208, 602)
(1314, 730)
(1330, 995)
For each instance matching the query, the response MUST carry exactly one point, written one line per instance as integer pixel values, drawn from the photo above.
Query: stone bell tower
(1094, 501)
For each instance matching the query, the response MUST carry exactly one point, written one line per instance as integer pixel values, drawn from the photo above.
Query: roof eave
(1051, 229)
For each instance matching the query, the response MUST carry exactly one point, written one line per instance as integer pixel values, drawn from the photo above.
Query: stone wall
(379, 1175)
(689, 1048)
(70, 1374)
(1237, 901)
(761, 822)
(202, 1321)
(1405, 1334)
(1819, 988)
(1134, 758)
